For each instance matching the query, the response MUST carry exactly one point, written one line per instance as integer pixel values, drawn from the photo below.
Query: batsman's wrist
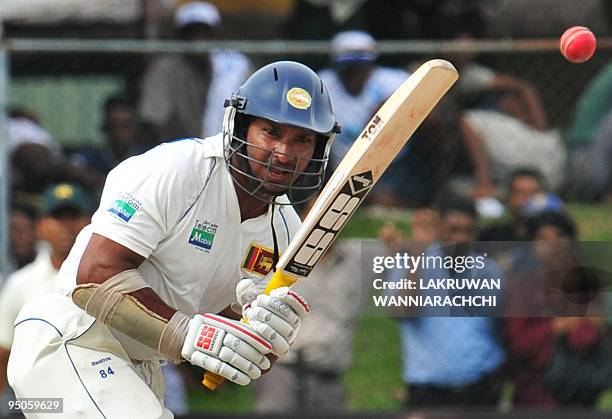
(173, 337)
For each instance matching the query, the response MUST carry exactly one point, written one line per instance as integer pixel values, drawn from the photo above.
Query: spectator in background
(123, 137)
(501, 141)
(37, 159)
(449, 361)
(66, 209)
(310, 377)
(560, 361)
(524, 184)
(23, 237)
(589, 140)
(182, 95)
(478, 83)
(358, 87)
(502, 114)
(430, 156)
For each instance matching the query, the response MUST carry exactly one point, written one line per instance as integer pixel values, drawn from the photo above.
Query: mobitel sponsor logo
(125, 208)
(203, 234)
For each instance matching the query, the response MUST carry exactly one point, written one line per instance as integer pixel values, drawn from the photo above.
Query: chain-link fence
(63, 85)
(65, 82)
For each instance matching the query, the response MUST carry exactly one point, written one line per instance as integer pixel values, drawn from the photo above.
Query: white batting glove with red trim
(226, 347)
(249, 288)
(277, 317)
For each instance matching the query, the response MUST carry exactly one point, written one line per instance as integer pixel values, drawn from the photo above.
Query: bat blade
(365, 162)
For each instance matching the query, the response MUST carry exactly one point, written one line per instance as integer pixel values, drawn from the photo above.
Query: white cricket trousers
(60, 351)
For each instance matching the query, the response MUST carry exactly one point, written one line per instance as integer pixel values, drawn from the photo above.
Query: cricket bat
(365, 162)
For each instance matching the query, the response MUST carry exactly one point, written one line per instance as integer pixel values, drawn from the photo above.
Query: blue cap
(353, 46)
(542, 202)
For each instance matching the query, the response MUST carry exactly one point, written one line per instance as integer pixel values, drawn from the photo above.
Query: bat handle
(211, 380)
(279, 279)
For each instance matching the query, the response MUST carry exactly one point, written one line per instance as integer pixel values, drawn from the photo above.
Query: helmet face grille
(290, 94)
(303, 186)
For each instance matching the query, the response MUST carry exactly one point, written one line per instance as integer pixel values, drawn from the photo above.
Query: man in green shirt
(589, 140)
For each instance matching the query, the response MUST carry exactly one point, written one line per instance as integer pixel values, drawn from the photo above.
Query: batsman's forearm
(140, 314)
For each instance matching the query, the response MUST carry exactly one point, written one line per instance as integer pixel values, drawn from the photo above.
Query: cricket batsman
(183, 234)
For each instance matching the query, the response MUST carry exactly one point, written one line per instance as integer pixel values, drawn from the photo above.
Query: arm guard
(111, 304)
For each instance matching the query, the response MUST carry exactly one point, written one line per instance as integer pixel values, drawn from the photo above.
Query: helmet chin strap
(275, 256)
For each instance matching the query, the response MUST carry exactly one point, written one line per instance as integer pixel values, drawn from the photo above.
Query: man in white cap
(183, 94)
(358, 87)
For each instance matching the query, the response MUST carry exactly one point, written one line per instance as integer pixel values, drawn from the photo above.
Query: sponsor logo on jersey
(203, 234)
(125, 207)
(299, 98)
(100, 361)
(258, 260)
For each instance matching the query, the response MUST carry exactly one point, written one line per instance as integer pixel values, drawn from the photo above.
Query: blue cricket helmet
(287, 93)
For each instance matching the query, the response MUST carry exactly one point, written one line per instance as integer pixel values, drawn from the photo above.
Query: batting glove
(277, 317)
(226, 347)
(249, 288)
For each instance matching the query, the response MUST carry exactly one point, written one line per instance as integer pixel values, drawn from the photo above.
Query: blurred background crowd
(518, 151)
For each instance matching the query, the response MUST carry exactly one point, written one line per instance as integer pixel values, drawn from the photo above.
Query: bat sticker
(361, 182)
(330, 224)
(373, 127)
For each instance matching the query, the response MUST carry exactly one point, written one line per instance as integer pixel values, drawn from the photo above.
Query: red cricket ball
(578, 44)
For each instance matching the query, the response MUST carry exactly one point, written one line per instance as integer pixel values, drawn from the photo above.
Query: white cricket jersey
(34, 279)
(176, 206)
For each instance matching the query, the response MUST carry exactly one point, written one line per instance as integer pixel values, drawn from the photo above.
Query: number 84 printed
(105, 373)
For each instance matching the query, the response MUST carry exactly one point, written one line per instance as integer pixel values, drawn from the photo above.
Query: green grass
(228, 398)
(365, 224)
(605, 401)
(594, 221)
(374, 380)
